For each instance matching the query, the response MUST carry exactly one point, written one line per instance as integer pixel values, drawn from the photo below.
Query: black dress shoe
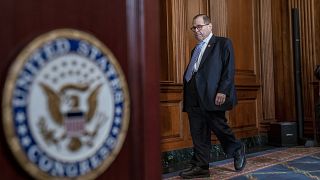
(195, 172)
(189, 167)
(240, 158)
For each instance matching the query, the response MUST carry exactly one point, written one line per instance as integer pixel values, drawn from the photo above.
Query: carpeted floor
(282, 163)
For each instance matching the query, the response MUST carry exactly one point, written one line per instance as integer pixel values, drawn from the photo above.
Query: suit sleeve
(227, 73)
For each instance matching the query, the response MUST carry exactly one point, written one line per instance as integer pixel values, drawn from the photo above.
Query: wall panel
(241, 29)
(174, 123)
(267, 65)
(171, 109)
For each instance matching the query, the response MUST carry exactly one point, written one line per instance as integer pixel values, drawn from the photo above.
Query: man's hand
(220, 99)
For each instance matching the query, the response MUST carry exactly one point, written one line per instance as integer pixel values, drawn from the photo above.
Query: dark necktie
(193, 60)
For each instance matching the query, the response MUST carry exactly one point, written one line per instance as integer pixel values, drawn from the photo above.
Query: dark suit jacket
(216, 75)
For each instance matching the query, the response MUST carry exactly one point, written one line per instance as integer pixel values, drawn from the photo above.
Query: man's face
(200, 29)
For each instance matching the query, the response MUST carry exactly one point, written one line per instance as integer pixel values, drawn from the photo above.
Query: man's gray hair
(205, 18)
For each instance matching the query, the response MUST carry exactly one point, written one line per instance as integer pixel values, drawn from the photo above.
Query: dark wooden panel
(241, 31)
(283, 65)
(166, 62)
(317, 51)
(243, 28)
(174, 123)
(247, 114)
(130, 29)
(218, 15)
(171, 124)
(245, 117)
(267, 67)
(317, 29)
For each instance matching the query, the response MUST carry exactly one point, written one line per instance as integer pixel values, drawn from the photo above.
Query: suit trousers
(202, 123)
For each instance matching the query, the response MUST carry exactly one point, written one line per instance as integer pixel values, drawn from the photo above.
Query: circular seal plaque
(65, 106)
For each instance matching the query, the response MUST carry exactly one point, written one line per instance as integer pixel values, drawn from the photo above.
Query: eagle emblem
(73, 119)
(67, 106)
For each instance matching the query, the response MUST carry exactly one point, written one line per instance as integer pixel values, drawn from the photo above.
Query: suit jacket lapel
(208, 49)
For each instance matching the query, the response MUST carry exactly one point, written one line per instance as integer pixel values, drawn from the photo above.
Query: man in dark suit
(209, 91)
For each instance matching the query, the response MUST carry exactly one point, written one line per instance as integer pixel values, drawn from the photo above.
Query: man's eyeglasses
(199, 27)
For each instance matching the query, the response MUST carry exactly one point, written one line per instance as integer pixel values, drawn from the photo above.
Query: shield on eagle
(74, 123)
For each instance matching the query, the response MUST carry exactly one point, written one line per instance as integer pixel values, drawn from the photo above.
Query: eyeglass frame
(199, 27)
